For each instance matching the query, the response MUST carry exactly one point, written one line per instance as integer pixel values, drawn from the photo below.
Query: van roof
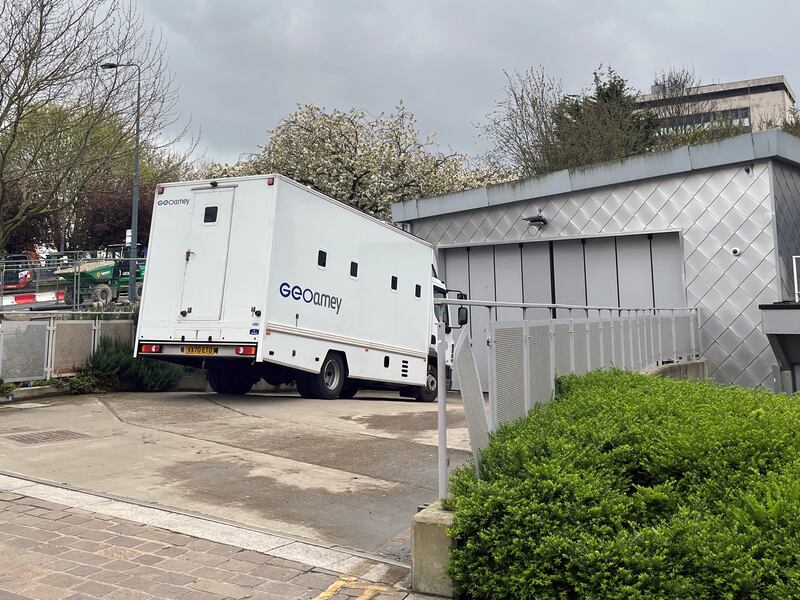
(200, 182)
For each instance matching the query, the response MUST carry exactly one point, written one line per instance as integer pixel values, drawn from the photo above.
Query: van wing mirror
(463, 315)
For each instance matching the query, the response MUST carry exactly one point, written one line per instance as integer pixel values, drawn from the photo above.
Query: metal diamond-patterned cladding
(716, 210)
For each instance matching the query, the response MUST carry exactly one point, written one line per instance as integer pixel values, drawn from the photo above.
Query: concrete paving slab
(342, 473)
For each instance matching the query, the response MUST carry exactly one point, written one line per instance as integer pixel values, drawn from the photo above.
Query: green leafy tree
(367, 162)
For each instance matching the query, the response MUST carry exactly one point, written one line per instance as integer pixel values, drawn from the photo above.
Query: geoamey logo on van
(173, 202)
(309, 296)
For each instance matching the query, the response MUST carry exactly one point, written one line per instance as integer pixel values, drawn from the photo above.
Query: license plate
(204, 350)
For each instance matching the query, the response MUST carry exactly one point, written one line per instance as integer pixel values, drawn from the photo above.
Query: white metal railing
(526, 355)
(796, 283)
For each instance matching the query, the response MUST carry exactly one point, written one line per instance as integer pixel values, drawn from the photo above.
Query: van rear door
(206, 254)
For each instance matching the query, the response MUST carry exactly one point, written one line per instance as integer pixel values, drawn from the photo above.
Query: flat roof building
(751, 103)
(712, 226)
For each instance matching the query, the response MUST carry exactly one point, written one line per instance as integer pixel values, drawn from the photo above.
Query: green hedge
(633, 486)
(113, 362)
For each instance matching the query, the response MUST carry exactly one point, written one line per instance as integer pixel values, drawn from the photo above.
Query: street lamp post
(133, 267)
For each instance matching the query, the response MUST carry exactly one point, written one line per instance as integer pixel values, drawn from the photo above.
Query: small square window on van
(394, 282)
(322, 258)
(353, 269)
(210, 214)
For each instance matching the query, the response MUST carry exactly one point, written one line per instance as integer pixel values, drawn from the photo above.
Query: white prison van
(261, 277)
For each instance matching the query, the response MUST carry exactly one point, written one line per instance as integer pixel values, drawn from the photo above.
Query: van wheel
(303, 384)
(230, 379)
(328, 383)
(430, 390)
(349, 389)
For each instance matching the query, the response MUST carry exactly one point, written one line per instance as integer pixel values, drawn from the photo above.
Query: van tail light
(246, 350)
(270, 180)
(160, 189)
(150, 349)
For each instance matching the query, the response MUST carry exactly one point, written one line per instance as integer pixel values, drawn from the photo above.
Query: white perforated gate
(525, 357)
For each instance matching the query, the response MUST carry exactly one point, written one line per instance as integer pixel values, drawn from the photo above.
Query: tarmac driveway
(344, 472)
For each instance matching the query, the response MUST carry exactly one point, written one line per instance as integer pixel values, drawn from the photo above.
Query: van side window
(322, 258)
(418, 291)
(210, 214)
(394, 282)
(353, 268)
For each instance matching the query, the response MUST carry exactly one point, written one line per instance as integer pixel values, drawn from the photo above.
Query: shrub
(114, 361)
(633, 486)
(91, 383)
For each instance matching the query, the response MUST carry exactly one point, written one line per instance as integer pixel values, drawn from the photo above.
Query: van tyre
(303, 384)
(349, 389)
(430, 391)
(328, 383)
(230, 378)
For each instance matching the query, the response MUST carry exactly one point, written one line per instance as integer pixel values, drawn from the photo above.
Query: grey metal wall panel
(703, 205)
(601, 272)
(786, 187)
(536, 277)
(568, 272)
(635, 273)
(508, 279)
(668, 285)
(481, 287)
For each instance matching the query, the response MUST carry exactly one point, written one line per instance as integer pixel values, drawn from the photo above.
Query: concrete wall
(694, 369)
(714, 209)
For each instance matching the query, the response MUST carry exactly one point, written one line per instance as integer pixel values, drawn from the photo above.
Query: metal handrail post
(441, 396)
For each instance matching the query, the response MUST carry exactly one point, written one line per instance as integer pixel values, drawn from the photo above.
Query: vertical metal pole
(613, 341)
(133, 268)
(571, 342)
(694, 330)
(674, 338)
(441, 396)
(660, 357)
(490, 370)
(796, 289)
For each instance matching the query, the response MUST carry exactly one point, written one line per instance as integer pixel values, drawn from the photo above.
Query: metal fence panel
(683, 336)
(24, 350)
(117, 330)
(472, 394)
(581, 362)
(510, 372)
(596, 354)
(562, 355)
(541, 374)
(72, 348)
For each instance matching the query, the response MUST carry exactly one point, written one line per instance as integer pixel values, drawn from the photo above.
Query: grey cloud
(243, 64)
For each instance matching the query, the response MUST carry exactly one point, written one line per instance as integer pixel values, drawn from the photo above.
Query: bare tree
(686, 117)
(63, 121)
(522, 127)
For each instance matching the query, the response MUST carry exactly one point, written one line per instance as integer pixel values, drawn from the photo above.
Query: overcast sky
(243, 64)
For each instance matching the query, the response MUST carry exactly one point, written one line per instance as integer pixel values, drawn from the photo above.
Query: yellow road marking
(352, 583)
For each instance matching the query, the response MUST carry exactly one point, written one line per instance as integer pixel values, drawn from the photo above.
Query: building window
(322, 258)
(418, 291)
(210, 214)
(394, 282)
(353, 269)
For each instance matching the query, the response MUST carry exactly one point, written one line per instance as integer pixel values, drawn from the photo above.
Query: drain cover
(45, 437)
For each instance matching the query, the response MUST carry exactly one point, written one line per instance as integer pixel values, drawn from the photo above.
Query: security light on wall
(537, 221)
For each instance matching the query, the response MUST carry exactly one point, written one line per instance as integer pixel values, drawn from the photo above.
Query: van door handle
(188, 255)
